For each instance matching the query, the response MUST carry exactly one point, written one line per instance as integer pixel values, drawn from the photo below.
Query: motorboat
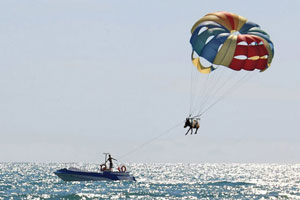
(75, 174)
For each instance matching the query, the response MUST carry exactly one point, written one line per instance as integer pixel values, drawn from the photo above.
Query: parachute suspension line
(199, 85)
(191, 93)
(218, 86)
(227, 92)
(206, 87)
(214, 80)
(202, 88)
(150, 141)
(247, 76)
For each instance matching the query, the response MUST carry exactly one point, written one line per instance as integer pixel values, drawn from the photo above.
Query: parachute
(226, 49)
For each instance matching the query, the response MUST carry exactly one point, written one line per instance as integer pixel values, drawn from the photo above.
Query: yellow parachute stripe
(221, 18)
(226, 53)
(200, 67)
(254, 58)
(241, 21)
(211, 18)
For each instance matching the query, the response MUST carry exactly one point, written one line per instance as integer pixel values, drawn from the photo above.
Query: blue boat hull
(80, 175)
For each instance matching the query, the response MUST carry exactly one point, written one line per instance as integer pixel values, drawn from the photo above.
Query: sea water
(155, 181)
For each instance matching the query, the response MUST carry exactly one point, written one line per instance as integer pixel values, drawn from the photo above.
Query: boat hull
(79, 175)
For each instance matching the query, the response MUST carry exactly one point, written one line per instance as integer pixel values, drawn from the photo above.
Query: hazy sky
(78, 78)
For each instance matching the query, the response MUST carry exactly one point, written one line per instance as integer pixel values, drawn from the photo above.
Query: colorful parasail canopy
(227, 39)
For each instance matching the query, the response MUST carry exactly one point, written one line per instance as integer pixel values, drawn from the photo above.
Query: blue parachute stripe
(247, 26)
(195, 36)
(198, 41)
(210, 50)
(258, 30)
(260, 35)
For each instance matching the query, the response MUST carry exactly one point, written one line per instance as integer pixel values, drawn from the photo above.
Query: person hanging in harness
(192, 123)
(110, 160)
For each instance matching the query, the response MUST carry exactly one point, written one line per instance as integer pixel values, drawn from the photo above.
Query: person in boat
(192, 123)
(110, 160)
